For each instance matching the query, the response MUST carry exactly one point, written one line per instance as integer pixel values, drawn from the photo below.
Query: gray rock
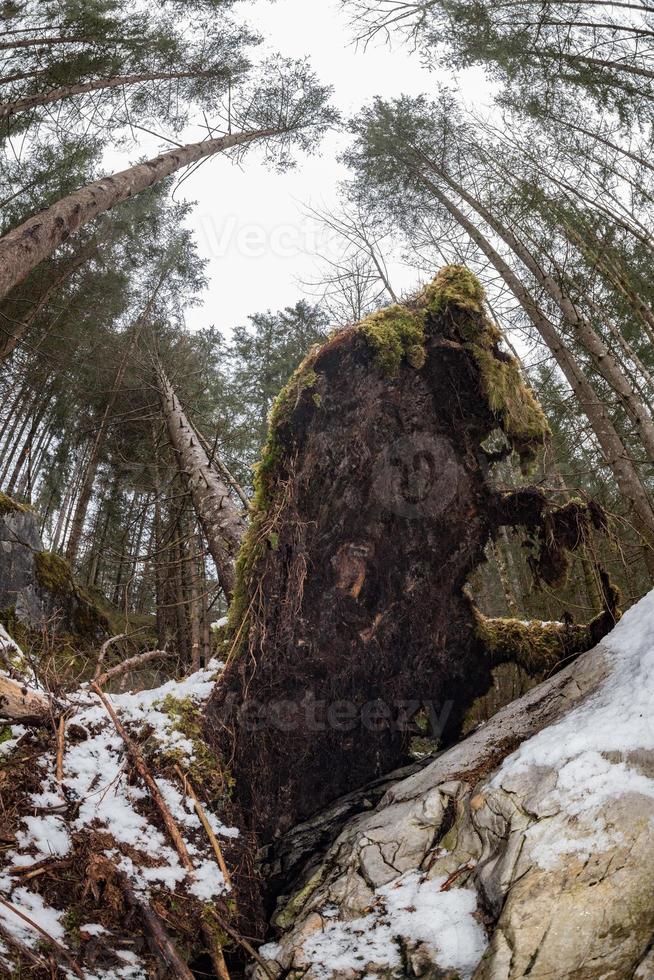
(464, 822)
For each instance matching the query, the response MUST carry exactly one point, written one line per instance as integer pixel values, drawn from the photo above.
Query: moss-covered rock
(9, 506)
(80, 613)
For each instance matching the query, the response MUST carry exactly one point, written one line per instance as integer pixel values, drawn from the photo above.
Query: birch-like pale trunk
(222, 523)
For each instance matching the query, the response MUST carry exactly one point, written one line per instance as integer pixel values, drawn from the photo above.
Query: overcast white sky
(249, 223)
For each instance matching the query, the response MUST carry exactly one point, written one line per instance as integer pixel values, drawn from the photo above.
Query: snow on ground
(94, 776)
(412, 909)
(588, 749)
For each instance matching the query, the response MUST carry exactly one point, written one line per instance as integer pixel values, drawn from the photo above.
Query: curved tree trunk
(223, 525)
(25, 246)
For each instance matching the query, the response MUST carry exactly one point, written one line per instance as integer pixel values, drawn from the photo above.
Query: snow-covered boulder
(526, 850)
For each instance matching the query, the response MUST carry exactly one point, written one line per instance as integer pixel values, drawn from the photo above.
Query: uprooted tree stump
(374, 505)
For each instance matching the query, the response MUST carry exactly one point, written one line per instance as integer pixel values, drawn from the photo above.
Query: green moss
(71, 920)
(8, 506)
(395, 333)
(261, 533)
(288, 915)
(204, 769)
(287, 400)
(457, 291)
(449, 841)
(535, 646)
(6, 734)
(455, 287)
(54, 574)
(521, 417)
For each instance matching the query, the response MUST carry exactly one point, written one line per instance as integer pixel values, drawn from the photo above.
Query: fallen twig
(103, 652)
(155, 933)
(11, 940)
(141, 767)
(23, 704)
(46, 935)
(445, 887)
(27, 871)
(134, 753)
(105, 646)
(199, 809)
(61, 738)
(242, 941)
(129, 664)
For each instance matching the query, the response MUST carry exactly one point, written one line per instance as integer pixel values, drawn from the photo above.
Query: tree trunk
(195, 607)
(352, 613)
(600, 355)
(24, 247)
(221, 522)
(68, 91)
(98, 445)
(44, 42)
(13, 334)
(27, 444)
(608, 438)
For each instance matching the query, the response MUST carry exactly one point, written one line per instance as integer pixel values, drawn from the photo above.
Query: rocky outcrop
(37, 588)
(525, 850)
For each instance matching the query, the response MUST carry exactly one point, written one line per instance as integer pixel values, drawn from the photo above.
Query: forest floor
(77, 823)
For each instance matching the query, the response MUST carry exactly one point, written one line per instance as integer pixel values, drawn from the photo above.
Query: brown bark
(223, 525)
(12, 333)
(608, 438)
(26, 448)
(379, 505)
(17, 441)
(25, 246)
(603, 360)
(8, 109)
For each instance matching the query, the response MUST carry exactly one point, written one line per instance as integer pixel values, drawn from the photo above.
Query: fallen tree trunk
(222, 523)
(374, 505)
(23, 704)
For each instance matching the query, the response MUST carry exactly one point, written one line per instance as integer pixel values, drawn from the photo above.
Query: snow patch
(95, 778)
(410, 909)
(32, 905)
(587, 748)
